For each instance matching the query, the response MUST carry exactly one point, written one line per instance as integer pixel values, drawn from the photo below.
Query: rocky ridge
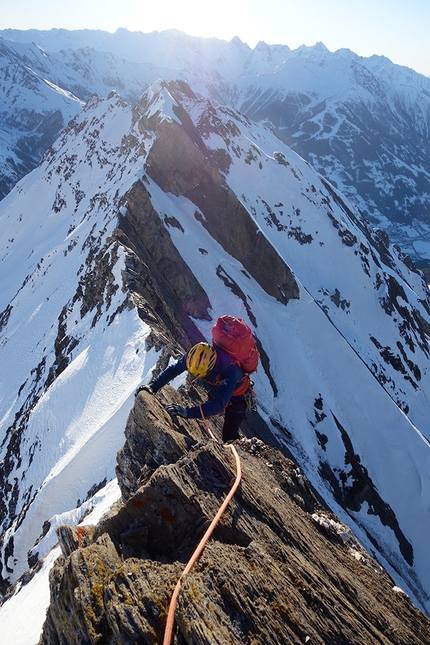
(129, 192)
(279, 568)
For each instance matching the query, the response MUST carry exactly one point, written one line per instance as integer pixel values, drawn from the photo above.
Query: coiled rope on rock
(197, 553)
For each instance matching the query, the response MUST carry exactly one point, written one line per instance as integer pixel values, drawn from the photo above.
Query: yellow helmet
(201, 359)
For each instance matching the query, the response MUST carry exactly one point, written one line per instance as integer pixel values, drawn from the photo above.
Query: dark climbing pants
(235, 413)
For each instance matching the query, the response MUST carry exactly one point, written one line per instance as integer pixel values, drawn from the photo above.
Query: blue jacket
(220, 389)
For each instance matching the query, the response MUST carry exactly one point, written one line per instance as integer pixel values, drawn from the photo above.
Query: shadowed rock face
(279, 567)
(180, 166)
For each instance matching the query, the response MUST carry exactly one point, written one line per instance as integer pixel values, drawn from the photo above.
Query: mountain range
(363, 123)
(139, 227)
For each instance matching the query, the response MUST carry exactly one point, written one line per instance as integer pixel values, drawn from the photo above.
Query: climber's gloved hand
(144, 388)
(176, 410)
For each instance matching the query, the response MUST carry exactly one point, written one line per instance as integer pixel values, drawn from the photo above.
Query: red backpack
(236, 338)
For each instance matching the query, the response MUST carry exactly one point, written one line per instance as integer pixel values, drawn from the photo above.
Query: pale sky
(398, 29)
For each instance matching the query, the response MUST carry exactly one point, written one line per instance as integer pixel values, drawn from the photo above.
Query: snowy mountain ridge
(44, 292)
(141, 226)
(362, 122)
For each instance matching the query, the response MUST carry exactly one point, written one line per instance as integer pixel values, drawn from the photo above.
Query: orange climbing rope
(173, 601)
(207, 424)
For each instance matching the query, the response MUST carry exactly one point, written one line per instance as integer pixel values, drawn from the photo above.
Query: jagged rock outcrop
(279, 567)
(169, 284)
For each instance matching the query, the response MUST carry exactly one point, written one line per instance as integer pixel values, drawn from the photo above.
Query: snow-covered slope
(345, 380)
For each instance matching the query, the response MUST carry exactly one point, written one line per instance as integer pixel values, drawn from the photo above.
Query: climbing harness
(244, 387)
(197, 553)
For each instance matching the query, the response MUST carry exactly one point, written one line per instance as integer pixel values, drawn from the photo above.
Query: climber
(226, 383)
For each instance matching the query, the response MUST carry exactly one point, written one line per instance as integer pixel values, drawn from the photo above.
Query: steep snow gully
(137, 230)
